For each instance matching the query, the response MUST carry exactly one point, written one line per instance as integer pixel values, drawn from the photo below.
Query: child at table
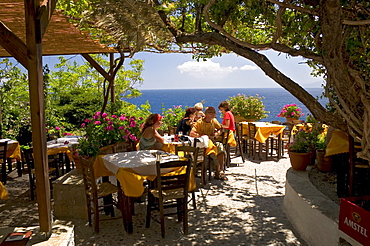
(150, 138)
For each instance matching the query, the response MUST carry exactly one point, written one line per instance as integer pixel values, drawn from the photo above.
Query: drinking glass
(180, 133)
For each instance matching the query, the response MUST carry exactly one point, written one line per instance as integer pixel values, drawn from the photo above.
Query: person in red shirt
(228, 121)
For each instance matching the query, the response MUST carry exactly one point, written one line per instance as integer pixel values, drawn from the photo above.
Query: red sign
(354, 220)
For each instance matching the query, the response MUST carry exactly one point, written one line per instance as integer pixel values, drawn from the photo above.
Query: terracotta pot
(300, 161)
(324, 164)
(292, 120)
(238, 119)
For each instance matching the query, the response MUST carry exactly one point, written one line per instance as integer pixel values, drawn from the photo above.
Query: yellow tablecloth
(131, 182)
(61, 149)
(338, 143)
(3, 191)
(264, 130)
(13, 151)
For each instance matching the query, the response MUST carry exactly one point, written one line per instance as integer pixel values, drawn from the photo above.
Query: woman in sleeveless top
(150, 138)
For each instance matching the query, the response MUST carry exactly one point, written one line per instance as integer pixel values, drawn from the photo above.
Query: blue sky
(178, 71)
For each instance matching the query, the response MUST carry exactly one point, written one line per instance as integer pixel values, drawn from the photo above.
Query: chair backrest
(252, 129)
(190, 152)
(28, 155)
(224, 136)
(201, 151)
(179, 180)
(3, 149)
(89, 179)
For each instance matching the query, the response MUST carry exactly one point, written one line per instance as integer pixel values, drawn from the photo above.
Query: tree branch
(290, 6)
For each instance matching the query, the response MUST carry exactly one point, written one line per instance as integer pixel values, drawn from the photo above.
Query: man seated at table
(211, 127)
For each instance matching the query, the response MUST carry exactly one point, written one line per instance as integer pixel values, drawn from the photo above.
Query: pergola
(30, 29)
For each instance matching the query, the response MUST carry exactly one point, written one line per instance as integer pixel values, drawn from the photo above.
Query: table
(62, 146)
(338, 143)
(264, 131)
(13, 152)
(131, 169)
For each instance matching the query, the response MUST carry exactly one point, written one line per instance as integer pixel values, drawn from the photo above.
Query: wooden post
(36, 89)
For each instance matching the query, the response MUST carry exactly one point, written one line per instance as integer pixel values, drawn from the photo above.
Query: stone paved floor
(245, 210)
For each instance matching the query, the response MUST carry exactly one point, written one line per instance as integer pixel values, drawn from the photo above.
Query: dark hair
(225, 105)
(151, 120)
(189, 111)
(210, 110)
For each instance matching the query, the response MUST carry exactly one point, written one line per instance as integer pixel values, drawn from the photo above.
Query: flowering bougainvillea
(104, 129)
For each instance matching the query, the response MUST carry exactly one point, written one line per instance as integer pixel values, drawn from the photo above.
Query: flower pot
(292, 120)
(238, 119)
(300, 161)
(324, 164)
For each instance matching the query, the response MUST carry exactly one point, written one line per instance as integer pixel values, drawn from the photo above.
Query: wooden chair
(192, 153)
(257, 147)
(239, 141)
(169, 191)
(3, 159)
(223, 139)
(205, 161)
(94, 192)
(28, 157)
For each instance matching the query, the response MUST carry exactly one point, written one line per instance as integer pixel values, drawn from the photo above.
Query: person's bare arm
(158, 137)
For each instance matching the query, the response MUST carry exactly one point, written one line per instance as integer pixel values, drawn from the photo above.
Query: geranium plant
(291, 111)
(104, 129)
(248, 107)
(305, 138)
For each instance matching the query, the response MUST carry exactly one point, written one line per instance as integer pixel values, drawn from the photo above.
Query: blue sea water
(274, 98)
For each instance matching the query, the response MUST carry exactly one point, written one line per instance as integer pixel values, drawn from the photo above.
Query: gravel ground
(245, 210)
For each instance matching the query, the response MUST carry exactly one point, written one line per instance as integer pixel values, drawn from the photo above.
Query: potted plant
(105, 133)
(303, 145)
(323, 163)
(247, 108)
(291, 112)
(171, 118)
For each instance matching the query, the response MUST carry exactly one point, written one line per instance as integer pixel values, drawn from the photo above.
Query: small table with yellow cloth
(60, 148)
(13, 152)
(131, 169)
(338, 143)
(264, 131)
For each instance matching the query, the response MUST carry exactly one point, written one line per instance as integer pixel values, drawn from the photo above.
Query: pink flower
(122, 118)
(104, 115)
(109, 128)
(97, 122)
(141, 118)
(64, 134)
(83, 125)
(69, 134)
(121, 128)
(132, 123)
(114, 116)
(110, 122)
(57, 128)
(98, 113)
(87, 120)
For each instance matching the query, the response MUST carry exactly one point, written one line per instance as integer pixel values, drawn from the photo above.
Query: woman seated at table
(150, 138)
(186, 123)
(228, 121)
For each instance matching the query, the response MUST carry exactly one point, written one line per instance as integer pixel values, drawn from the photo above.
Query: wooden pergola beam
(13, 45)
(43, 17)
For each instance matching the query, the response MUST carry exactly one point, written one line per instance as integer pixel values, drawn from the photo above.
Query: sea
(274, 99)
